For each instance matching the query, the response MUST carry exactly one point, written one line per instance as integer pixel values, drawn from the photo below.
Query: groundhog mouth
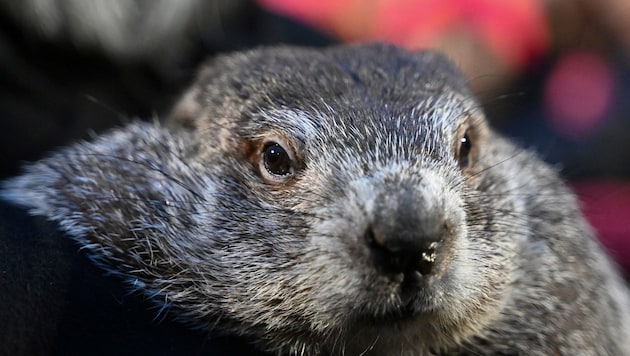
(414, 300)
(402, 316)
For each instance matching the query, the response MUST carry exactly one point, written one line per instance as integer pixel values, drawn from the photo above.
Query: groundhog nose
(406, 231)
(403, 252)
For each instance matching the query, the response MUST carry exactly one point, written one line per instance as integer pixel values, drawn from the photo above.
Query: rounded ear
(187, 111)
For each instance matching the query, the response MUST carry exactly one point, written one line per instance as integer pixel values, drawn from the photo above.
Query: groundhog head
(316, 200)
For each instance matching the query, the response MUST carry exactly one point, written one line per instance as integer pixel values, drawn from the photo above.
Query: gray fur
(179, 211)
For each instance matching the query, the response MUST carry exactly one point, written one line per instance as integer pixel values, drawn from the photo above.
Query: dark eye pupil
(277, 160)
(464, 151)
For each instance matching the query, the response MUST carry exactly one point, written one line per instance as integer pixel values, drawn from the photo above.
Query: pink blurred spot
(515, 31)
(606, 205)
(578, 94)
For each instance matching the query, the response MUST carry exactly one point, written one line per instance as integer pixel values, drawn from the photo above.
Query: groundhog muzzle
(348, 200)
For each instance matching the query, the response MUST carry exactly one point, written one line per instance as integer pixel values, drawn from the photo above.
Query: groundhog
(347, 200)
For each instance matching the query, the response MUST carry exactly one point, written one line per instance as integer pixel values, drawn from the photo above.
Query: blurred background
(552, 74)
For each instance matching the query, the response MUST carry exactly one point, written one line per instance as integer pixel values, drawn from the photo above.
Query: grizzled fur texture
(345, 200)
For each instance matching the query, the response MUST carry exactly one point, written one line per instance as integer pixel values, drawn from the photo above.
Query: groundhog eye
(276, 159)
(464, 150)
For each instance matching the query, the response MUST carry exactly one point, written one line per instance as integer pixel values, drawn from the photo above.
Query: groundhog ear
(114, 195)
(75, 182)
(187, 111)
(107, 187)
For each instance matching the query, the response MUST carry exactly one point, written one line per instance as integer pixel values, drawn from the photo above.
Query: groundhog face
(351, 203)
(317, 200)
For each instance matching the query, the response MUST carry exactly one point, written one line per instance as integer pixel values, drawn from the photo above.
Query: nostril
(394, 254)
(384, 258)
(369, 237)
(373, 240)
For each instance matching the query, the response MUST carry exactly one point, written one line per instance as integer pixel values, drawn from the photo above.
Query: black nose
(403, 253)
(407, 230)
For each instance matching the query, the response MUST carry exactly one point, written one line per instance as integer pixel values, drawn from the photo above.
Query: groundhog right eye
(276, 159)
(464, 150)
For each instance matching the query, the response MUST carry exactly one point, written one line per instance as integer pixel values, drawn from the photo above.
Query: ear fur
(117, 195)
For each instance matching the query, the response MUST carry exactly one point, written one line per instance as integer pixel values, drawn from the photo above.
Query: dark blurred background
(554, 75)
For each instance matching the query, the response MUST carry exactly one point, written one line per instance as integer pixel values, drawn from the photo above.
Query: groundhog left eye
(276, 159)
(465, 147)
